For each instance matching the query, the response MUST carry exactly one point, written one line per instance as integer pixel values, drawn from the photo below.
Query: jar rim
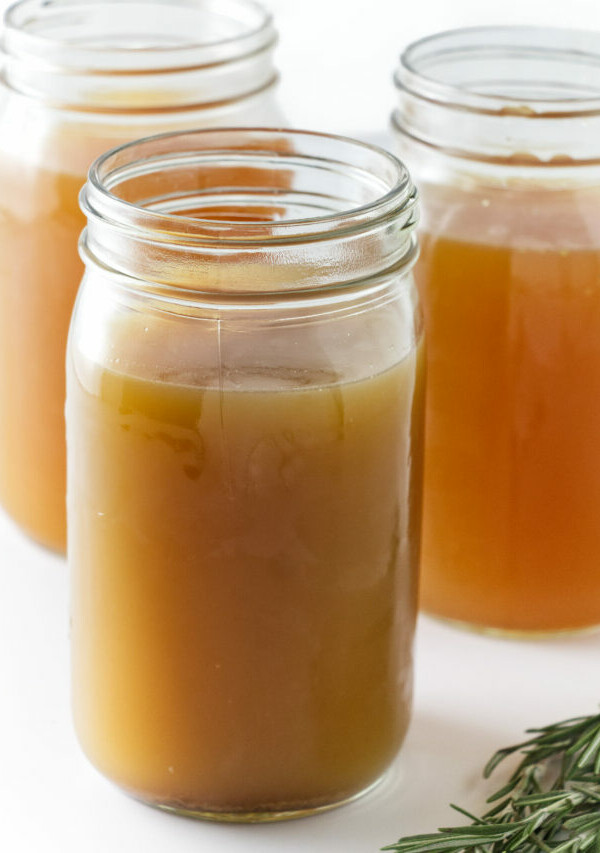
(250, 210)
(117, 164)
(29, 27)
(425, 64)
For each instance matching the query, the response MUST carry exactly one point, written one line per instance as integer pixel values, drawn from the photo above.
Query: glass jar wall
(79, 78)
(244, 414)
(501, 128)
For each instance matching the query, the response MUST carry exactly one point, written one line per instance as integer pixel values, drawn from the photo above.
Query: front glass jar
(501, 128)
(244, 410)
(80, 76)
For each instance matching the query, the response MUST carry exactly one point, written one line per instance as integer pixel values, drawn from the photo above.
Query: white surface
(473, 693)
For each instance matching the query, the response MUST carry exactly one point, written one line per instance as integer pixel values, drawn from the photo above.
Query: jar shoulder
(35, 134)
(533, 214)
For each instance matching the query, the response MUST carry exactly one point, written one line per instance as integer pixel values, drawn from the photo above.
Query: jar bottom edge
(260, 815)
(533, 634)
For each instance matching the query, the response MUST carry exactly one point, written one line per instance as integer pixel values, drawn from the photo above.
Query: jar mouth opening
(250, 186)
(525, 71)
(123, 36)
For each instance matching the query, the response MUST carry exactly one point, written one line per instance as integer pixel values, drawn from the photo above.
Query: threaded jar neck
(249, 211)
(124, 55)
(522, 95)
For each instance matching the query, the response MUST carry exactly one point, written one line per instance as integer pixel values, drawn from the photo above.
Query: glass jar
(80, 77)
(244, 414)
(501, 127)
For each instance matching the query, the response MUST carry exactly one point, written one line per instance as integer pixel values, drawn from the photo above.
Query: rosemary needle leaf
(467, 814)
(448, 840)
(592, 752)
(505, 791)
(551, 803)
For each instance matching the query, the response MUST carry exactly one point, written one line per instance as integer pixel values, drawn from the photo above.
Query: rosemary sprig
(550, 803)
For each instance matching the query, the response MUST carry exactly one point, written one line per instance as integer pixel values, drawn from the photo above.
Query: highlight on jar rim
(300, 198)
(162, 53)
(544, 81)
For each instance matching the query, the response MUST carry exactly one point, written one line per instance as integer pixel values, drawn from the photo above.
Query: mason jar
(81, 76)
(501, 128)
(244, 420)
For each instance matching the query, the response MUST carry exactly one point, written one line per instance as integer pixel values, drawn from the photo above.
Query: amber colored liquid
(511, 529)
(243, 583)
(40, 271)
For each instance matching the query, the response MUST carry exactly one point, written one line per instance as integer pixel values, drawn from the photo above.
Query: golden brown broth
(40, 272)
(511, 537)
(244, 582)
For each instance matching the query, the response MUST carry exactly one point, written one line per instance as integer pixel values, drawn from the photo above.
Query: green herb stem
(550, 803)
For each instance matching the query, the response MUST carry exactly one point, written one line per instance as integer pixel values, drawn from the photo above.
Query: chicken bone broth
(40, 272)
(244, 425)
(511, 291)
(39, 275)
(244, 543)
(131, 68)
(509, 276)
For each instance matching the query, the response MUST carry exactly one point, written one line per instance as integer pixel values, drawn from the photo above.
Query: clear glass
(501, 128)
(80, 76)
(244, 419)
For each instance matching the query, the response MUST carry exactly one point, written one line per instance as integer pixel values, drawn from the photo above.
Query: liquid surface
(243, 582)
(511, 538)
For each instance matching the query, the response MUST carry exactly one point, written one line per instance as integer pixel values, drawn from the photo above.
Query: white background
(337, 56)
(473, 693)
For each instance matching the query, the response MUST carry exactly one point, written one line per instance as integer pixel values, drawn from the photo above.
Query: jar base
(49, 544)
(262, 815)
(514, 633)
